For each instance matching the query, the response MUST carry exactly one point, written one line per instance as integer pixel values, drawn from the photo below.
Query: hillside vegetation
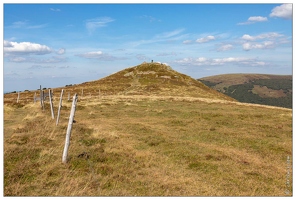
(134, 143)
(275, 90)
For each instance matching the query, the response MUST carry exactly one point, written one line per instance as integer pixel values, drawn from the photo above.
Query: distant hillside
(275, 90)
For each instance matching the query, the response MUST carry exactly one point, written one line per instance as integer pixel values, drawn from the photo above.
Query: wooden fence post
(35, 97)
(68, 96)
(82, 92)
(50, 102)
(68, 135)
(18, 97)
(41, 97)
(60, 106)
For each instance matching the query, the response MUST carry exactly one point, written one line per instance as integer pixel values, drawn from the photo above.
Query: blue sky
(54, 45)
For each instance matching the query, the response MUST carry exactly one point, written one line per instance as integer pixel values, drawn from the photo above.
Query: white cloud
(150, 18)
(259, 63)
(248, 37)
(25, 48)
(225, 47)
(7, 44)
(221, 61)
(193, 61)
(202, 61)
(257, 19)
(18, 24)
(283, 11)
(17, 59)
(142, 57)
(55, 9)
(264, 45)
(162, 37)
(188, 42)
(270, 35)
(247, 46)
(167, 54)
(205, 39)
(61, 51)
(254, 19)
(244, 23)
(94, 54)
(93, 24)
(25, 25)
(36, 26)
(41, 67)
(263, 41)
(99, 55)
(170, 34)
(64, 67)
(53, 59)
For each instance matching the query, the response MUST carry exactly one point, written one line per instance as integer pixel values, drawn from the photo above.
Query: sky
(54, 45)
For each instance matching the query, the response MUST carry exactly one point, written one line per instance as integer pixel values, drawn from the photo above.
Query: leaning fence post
(51, 106)
(68, 134)
(60, 105)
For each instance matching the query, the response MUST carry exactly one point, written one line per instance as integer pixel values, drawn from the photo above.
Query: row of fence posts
(42, 95)
(71, 118)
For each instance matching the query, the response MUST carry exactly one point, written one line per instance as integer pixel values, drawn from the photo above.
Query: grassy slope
(147, 146)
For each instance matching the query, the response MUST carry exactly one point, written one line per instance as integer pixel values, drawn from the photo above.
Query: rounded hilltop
(154, 65)
(153, 78)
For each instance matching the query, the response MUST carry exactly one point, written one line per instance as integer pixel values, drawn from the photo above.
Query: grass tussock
(148, 146)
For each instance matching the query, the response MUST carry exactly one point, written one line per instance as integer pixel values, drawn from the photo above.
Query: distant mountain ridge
(267, 89)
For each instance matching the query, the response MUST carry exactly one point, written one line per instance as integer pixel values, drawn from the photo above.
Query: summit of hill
(152, 79)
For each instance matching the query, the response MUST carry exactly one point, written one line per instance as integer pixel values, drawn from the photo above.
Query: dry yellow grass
(146, 131)
(152, 145)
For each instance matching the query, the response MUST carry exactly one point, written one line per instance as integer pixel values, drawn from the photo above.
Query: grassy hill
(275, 90)
(144, 79)
(131, 142)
